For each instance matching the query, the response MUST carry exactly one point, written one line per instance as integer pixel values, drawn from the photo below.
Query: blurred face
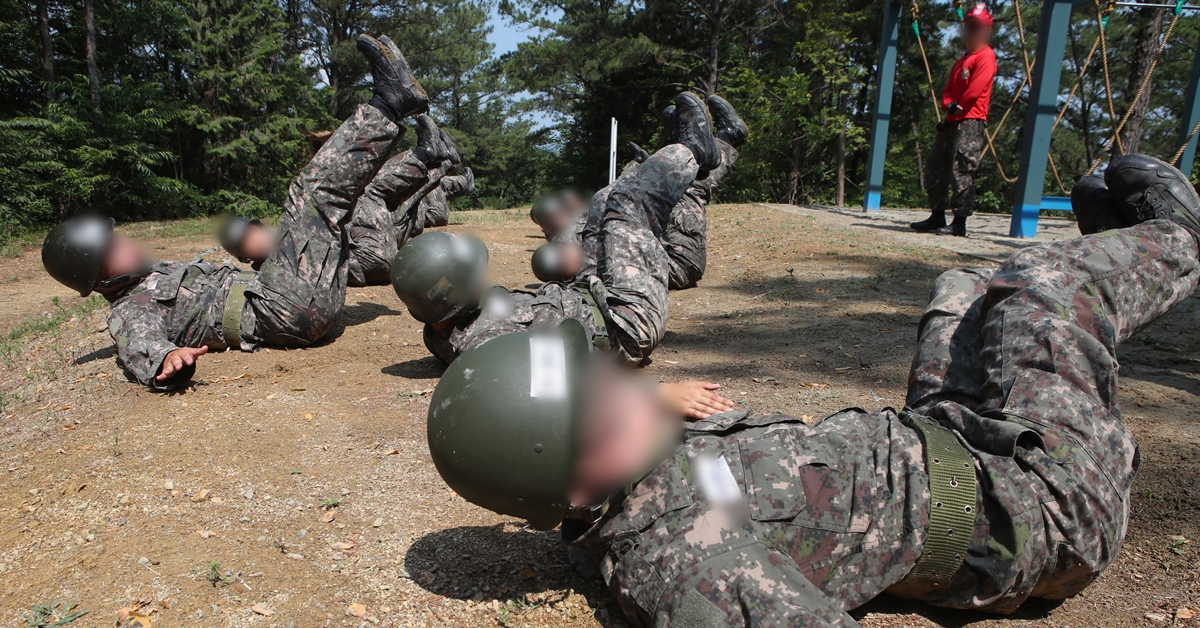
(625, 432)
(256, 243)
(571, 257)
(124, 257)
(975, 36)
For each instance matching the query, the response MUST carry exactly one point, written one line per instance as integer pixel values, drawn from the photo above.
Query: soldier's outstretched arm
(138, 326)
(750, 586)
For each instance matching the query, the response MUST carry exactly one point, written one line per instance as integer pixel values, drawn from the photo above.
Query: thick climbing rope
(916, 26)
(1141, 89)
(1184, 145)
(1028, 73)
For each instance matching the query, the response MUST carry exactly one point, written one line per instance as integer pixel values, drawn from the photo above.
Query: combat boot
(695, 130)
(431, 149)
(1146, 188)
(957, 227)
(670, 127)
(728, 126)
(639, 154)
(935, 221)
(1094, 206)
(397, 93)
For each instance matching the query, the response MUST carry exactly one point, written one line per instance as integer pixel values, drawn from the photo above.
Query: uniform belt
(600, 337)
(952, 505)
(231, 320)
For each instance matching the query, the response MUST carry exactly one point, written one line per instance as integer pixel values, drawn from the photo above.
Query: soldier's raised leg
(297, 296)
(1053, 317)
(630, 284)
(946, 365)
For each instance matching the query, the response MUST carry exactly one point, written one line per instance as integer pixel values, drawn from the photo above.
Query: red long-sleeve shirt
(970, 85)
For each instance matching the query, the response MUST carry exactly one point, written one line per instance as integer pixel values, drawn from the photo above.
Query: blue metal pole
(1191, 114)
(1039, 118)
(882, 112)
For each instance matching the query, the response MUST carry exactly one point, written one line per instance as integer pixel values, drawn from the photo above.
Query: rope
(1183, 147)
(1141, 89)
(937, 109)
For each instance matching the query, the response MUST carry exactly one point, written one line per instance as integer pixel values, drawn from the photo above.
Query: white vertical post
(612, 154)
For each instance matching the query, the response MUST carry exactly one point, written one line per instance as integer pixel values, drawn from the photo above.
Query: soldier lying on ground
(386, 216)
(167, 314)
(1006, 476)
(435, 206)
(685, 235)
(440, 277)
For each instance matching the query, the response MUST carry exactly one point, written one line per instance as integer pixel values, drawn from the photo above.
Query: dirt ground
(294, 488)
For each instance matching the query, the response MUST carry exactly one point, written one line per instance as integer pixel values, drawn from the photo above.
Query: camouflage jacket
(179, 304)
(502, 311)
(767, 521)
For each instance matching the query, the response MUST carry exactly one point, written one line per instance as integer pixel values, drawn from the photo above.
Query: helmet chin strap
(121, 282)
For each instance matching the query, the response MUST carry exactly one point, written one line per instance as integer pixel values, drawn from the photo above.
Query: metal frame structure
(1028, 201)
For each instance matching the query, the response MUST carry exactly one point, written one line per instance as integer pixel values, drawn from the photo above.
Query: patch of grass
(489, 217)
(59, 614)
(170, 228)
(213, 574)
(10, 249)
(17, 336)
(329, 503)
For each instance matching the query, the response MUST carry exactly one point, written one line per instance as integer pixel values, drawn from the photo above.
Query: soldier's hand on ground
(178, 360)
(694, 400)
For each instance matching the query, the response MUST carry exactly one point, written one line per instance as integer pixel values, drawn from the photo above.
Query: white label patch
(547, 368)
(716, 480)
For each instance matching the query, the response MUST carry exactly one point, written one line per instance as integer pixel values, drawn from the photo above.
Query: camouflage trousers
(687, 233)
(374, 238)
(1018, 363)
(436, 205)
(1021, 363)
(297, 296)
(628, 269)
(953, 164)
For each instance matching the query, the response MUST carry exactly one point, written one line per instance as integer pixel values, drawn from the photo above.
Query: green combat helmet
(74, 251)
(233, 230)
(548, 264)
(544, 208)
(438, 274)
(503, 422)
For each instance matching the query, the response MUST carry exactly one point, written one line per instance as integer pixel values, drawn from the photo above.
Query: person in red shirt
(960, 141)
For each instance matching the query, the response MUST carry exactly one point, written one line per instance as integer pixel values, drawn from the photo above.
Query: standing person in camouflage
(685, 235)
(164, 316)
(385, 216)
(958, 148)
(622, 298)
(1007, 476)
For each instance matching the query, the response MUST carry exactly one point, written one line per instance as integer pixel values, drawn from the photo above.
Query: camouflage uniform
(374, 237)
(627, 281)
(1018, 364)
(297, 296)
(436, 205)
(953, 163)
(686, 237)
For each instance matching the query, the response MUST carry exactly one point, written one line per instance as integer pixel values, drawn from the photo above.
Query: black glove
(953, 108)
(941, 126)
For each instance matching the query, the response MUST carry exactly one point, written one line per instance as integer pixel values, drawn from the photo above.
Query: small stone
(262, 610)
(295, 556)
(385, 609)
(248, 493)
(302, 533)
(200, 495)
(143, 561)
(1157, 617)
(262, 539)
(356, 610)
(169, 485)
(124, 500)
(345, 491)
(378, 522)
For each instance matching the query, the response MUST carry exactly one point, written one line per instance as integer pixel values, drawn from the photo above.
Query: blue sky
(505, 38)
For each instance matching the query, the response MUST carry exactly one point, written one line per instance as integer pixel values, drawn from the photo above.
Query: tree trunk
(43, 11)
(714, 47)
(1149, 28)
(841, 152)
(792, 191)
(920, 163)
(89, 21)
